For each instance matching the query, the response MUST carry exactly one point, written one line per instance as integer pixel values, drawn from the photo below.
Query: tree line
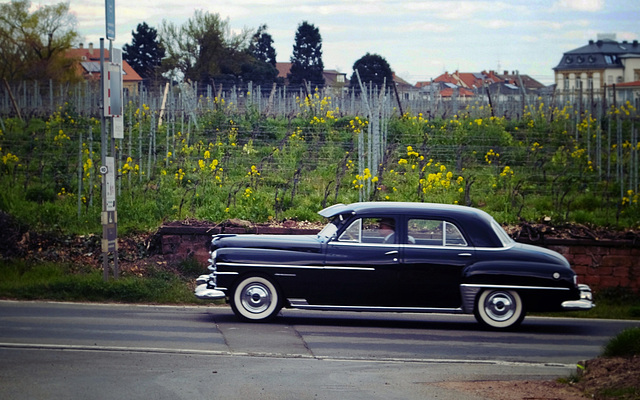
(204, 49)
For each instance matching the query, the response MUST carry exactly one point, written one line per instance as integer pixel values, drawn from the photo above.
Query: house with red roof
(469, 83)
(88, 66)
(338, 80)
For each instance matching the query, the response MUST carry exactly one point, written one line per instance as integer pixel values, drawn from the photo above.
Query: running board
(302, 304)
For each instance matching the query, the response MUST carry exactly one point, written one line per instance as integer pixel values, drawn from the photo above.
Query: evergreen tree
(262, 46)
(372, 68)
(306, 61)
(145, 53)
(261, 69)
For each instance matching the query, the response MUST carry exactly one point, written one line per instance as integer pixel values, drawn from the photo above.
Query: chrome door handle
(464, 254)
(388, 253)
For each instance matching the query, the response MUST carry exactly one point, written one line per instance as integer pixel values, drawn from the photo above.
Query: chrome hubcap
(256, 298)
(500, 306)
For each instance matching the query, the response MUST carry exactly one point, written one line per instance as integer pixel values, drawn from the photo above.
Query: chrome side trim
(318, 267)
(286, 275)
(227, 264)
(304, 305)
(481, 286)
(225, 273)
(363, 244)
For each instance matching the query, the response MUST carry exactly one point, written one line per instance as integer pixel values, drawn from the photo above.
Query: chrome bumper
(585, 302)
(203, 293)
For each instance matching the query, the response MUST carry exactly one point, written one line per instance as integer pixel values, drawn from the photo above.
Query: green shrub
(625, 344)
(191, 267)
(40, 194)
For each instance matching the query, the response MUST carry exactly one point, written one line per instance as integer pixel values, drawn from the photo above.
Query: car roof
(393, 207)
(475, 222)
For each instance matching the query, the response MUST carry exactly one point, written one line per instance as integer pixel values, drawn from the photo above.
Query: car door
(361, 266)
(434, 255)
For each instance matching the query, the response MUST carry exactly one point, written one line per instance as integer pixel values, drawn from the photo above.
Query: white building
(602, 62)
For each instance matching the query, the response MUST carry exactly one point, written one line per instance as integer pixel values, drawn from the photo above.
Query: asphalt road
(73, 351)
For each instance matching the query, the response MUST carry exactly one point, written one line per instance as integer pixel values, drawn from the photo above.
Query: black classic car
(393, 257)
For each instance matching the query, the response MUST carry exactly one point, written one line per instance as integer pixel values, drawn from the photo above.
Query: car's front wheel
(499, 309)
(255, 298)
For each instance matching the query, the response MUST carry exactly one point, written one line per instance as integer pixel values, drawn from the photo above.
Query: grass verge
(65, 282)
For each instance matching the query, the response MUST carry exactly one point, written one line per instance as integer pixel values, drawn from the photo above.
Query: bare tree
(204, 47)
(33, 44)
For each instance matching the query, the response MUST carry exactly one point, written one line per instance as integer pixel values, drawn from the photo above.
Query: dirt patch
(512, 390)
(603, 375)
(602, 378)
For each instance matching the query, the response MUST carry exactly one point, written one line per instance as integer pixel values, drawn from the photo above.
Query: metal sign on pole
(110, 14)
(113, 97)
(112, 109)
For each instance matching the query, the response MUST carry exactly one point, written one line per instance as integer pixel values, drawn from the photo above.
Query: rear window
(428, 232)
(505, 239)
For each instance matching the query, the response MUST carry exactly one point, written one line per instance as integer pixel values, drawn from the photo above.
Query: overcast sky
(419, 39)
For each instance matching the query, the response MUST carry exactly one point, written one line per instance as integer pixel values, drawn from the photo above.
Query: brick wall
(599, 264)
(613, 265)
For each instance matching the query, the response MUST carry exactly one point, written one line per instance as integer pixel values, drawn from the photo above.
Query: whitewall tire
(255, 298)
(499, 309)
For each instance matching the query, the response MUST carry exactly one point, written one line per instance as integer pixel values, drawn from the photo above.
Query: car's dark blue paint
(361, 271)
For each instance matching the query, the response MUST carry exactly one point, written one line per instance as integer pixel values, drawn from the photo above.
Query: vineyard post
(80, 172)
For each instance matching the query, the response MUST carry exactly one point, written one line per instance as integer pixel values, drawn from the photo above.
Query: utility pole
(112, 110)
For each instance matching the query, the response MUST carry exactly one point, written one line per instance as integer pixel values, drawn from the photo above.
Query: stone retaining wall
(600, 264)
(604, 265)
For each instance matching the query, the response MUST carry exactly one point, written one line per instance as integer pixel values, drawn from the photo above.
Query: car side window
(430, 232)
(453, 236)
(352, 233)
(370, 230)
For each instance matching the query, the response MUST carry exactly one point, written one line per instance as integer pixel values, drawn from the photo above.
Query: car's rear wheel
(499, 309)
(255, 298)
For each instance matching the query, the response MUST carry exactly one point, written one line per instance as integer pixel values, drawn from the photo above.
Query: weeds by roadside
(613, 375)
(66, 282)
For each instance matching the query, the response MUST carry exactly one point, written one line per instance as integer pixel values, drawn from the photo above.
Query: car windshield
(502, 235)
